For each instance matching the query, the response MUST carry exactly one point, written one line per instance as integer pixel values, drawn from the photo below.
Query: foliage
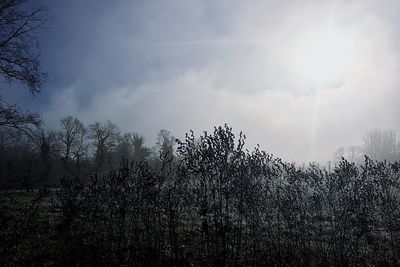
(215, 204)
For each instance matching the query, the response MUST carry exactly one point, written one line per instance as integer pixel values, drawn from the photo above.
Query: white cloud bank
(247, 80)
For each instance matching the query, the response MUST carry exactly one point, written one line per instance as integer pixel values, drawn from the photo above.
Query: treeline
(31, 157)
(34, 157)
(213, 204)
(377, 144)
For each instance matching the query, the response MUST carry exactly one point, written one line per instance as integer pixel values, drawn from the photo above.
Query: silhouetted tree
(14, 120)
(71, 137)
(72, 144)
(19, 61)
(19, 42)
(106, 137)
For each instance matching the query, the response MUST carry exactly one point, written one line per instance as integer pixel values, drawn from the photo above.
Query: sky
(300, 78)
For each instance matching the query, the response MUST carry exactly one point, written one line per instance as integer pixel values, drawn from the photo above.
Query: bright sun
(321, 58)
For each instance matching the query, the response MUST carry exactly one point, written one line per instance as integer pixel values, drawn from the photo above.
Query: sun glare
(321, 58)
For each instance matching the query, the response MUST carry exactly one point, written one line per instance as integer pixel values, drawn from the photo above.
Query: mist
(183, 65)
(199, 133)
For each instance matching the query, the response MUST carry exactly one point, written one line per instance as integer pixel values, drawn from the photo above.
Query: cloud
(192, 65)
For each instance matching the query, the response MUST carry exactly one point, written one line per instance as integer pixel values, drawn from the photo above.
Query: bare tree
(105, 137)
(19, 42)
(19, 58)
(380, 145)
(70, 138)
(72, 143)
(11, 118)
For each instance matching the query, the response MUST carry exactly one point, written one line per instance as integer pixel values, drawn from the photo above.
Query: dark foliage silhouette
(19, 60)
(213, 204)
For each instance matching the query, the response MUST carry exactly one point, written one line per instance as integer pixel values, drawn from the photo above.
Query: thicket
(213, 204)
(38, 157)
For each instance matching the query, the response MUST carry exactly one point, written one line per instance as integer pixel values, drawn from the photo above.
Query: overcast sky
(301, 78)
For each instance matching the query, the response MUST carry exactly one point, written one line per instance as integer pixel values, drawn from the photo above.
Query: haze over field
(95, 93)
(301, 78)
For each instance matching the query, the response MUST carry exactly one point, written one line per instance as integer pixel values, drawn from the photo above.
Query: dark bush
(214, 204)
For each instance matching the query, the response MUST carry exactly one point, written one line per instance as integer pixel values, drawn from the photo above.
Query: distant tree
(140, 152)
(132, 147)
(70, 138)
(165, 144)
(354, 153)
(106, 137)
(45, 142)
(381, 145)
(398, 151)
(125, 149)
(72, 143)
